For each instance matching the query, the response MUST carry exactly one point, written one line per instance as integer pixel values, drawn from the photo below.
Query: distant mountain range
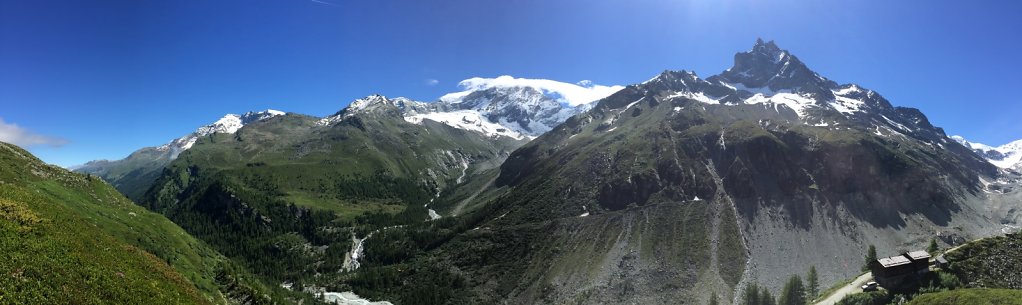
(517, 108)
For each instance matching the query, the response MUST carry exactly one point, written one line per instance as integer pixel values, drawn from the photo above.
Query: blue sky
(87, 80)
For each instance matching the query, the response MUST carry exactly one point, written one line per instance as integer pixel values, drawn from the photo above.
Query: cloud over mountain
(571, 94)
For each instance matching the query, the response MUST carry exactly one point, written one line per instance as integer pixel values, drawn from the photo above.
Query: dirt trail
(851, 288)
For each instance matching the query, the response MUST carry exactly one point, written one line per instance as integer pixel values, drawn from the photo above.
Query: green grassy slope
(972, 296)
(994, 262)
(359, 165)
(71, 238)
(65, 240)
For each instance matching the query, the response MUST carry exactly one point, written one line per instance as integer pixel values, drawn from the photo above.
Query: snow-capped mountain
(504, 106)
(527, 106)
(771, 83)
(230, 123)
(1004, 156)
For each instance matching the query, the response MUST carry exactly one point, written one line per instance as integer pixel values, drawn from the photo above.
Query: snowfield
(467, 120)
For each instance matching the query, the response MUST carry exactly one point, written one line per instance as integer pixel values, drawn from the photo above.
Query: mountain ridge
(516, 108)
(132, 174)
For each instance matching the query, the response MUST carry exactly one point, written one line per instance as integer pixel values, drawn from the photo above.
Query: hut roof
(892, 261)
(918, 255)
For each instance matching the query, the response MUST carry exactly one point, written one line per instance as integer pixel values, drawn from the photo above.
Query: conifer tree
(812, 283)
(766, 298)
(751, 295)
(871, 255)
(793, 292)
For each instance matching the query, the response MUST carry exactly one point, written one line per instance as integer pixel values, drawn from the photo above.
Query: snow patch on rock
(467, 120)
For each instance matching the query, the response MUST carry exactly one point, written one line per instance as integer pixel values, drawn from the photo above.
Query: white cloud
(572, 94)
(432, 82)
(325, 3)
(16, 135)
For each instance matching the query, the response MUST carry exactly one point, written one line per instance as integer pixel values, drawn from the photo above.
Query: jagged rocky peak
(676, 79)
(409, 106)
(778, 81)
(688, 84)
(368, 103)
(375, 104)
(230, 123)
(767, 74)
(378, 102)
(253, 116)
(767, 66)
